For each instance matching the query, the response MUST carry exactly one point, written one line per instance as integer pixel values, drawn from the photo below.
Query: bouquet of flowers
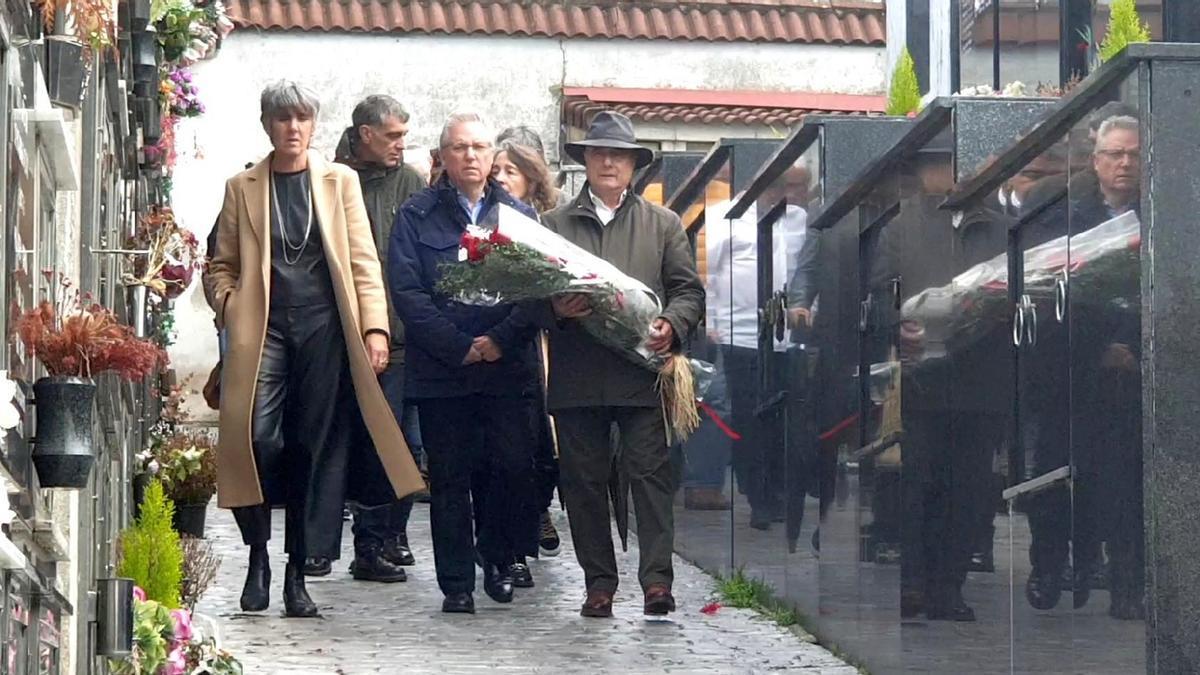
(84, 340)
(1102, 264)
(179, 96)
(519, 260)
(165, 643)
(172, 255)
(186, 463)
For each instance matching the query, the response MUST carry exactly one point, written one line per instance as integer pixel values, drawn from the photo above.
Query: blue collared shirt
(473, 212)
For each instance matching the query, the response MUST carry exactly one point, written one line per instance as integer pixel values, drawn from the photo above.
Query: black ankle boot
(397, 552)
(497, 582)
(256, 594)
(296, 602)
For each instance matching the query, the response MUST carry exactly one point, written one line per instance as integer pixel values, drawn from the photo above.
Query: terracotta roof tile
(580, 104)
(858, 22)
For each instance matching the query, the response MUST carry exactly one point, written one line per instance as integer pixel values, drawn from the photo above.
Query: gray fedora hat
(610, 130)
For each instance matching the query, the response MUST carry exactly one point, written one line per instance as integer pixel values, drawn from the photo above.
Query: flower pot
(136, 297)
(66, 71)
(114, 617)
(62, 449)
(148, 116)
(189, 519)
(141, 481)
(145, 56)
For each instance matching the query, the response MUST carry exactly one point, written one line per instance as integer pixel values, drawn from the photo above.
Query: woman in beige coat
(296, 283)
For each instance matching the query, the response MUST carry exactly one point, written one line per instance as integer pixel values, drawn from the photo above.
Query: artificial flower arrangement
(185, 462)
(171, 258)
(166, 643)
(84, 339)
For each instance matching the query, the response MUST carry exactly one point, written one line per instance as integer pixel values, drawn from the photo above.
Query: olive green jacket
(648, 243)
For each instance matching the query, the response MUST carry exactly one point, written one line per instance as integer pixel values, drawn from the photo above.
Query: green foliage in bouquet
(1125, 27)
(186, 463)
(904, 94)
(150, 550)
(153, 630)
(527, 274)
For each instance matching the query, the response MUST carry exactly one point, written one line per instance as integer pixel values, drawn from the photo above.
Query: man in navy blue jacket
(471, 370)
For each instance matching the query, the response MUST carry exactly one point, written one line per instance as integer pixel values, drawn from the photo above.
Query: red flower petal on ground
(711, 608)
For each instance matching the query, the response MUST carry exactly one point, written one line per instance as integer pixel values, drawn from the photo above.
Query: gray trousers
(586, 466)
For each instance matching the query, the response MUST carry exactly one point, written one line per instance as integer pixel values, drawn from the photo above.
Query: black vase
(62, 450)
(139, 14)
(141, 481)
(189, 519)
(67, 71)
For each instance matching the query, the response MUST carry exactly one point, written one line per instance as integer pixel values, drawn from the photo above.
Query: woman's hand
(377, 351)
(571, 305)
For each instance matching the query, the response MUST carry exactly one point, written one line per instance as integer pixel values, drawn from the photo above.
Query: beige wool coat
(239, 278)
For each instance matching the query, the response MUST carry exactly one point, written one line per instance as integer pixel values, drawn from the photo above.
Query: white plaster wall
(510, 80)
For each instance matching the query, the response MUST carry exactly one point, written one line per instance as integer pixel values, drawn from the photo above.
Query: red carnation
(499, 239)
(474, 247)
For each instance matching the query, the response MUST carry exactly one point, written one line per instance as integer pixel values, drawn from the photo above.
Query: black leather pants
(304, 416)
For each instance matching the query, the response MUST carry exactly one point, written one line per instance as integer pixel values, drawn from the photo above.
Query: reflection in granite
(987, 126)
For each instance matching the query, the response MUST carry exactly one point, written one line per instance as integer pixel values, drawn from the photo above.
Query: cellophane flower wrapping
(515, 259)
(1102, 264)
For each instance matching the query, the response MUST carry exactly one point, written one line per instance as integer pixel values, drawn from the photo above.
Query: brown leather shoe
(705, 499)
(598, 605)
(659, 600)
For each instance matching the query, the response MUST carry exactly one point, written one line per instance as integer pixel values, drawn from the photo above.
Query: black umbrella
(618, 493)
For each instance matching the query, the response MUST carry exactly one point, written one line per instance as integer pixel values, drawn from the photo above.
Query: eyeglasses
(1131, 155)
(462, 148)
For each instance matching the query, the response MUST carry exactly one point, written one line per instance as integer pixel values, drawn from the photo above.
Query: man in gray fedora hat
(591, 387)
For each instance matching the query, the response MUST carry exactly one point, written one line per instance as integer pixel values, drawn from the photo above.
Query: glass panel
(1151, 12)
(702, 517)
(794, 284)
(941, 400)
(1029, 42)
(1104, 320)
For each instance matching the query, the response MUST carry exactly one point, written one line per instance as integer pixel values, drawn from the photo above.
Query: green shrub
(1125, 27)
(150, 550)
(904, 94)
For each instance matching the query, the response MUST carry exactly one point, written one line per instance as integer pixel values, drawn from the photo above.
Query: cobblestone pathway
(398, 628)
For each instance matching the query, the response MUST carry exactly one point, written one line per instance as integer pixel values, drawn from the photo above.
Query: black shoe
(521, 576)
(1043, 590)
(497, 582)
(982, 562)
(318, 567)
(548, 540)
(948, 606)
(459, 603)
(372, 566)
(912, 604)
(397, 552)
(760, 519)
(256, 594)
(1082, 589)
(816, 540)
(296, 602)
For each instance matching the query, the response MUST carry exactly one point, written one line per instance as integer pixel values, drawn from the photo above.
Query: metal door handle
(1018, 325)
(1060, 297)
(1031, 322)
(864, 313)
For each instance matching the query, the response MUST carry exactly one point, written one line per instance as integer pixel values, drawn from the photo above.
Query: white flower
(153, 467)
(1017, 88)
(10, 417)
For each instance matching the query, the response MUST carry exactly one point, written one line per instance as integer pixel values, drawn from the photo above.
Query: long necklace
(287, 244)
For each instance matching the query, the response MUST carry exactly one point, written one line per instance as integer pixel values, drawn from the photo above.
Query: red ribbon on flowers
(725, 428)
